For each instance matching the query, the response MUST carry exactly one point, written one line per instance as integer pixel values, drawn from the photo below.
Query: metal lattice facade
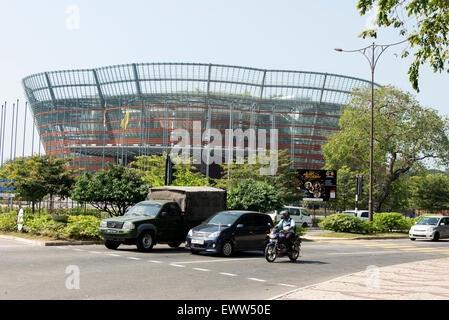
(78, 112)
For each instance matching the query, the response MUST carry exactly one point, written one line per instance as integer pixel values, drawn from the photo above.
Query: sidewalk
(421, 280)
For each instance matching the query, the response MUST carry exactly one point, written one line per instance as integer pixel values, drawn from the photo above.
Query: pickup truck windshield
(147, 209)
(226, 219)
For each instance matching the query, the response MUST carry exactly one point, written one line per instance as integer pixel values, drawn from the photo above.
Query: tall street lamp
(372, 54)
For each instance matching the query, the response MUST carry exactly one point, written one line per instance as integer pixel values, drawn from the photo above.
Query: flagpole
(104, 133)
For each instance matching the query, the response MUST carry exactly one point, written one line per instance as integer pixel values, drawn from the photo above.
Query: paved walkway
(422, 280)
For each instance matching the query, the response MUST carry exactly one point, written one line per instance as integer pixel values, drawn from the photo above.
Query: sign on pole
(318, 185)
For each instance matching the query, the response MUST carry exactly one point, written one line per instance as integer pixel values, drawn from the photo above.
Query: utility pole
(372, 56)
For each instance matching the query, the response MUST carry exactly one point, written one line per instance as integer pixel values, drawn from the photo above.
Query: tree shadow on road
(302, 261)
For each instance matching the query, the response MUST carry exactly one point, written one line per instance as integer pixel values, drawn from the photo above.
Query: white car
(430, 227)
(362, 214)
(299, 214)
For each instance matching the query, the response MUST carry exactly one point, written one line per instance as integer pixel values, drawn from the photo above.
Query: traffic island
(44, 241)
(355, 236)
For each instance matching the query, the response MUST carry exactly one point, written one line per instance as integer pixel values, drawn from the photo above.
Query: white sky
(40, 35)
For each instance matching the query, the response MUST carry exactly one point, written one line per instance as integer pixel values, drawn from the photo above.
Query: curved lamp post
(372, 55)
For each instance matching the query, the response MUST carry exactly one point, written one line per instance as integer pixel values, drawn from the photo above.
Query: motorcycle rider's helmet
(285, 214)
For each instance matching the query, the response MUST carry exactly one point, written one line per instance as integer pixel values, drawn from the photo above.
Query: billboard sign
(6, 192)
(318, 185)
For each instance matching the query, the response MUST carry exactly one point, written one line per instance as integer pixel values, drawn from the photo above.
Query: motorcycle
(276, 246)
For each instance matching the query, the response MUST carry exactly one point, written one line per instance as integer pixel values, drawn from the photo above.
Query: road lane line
(177, 265)
(155, 261)
(199, 269)
(132, 258)
(287, 285)
(94, 252)
(228, 274)
(113, 255)
(255, 279)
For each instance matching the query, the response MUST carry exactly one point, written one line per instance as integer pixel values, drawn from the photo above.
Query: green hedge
(8, 221)
(77, 227)
(345, 223)
(382, 222)
(391, 221)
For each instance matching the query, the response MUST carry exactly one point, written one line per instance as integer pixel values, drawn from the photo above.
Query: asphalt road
(33, 272)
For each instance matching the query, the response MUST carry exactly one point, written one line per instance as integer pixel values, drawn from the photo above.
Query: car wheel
(436, 236)
(145, 241)
(413, 239)
(305, 225)
(174, 244)
(110, 244)
(227, 249)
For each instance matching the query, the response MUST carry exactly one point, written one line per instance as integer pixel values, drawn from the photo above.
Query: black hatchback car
(229, 231)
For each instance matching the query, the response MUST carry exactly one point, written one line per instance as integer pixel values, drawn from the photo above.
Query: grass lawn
(357, 235)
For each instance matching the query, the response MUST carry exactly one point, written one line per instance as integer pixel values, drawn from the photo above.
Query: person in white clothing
(287, 225)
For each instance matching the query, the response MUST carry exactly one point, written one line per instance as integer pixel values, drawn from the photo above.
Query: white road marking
(199, 269)
(113, 255)
(94, 252)
(78, 250)
(132, 258)
(177, 265)
(255, 279)
(286, 285)
(228, 274)
(155, 261)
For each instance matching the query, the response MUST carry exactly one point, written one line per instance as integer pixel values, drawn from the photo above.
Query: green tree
(38, 176)
(429, 192)
(346, 188)
(424, 23)
(113, 190)
(285, 180)
(405, 135)
(152, 170)
(254, 195)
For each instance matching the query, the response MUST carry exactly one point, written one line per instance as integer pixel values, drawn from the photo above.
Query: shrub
(83, 227)
(300, 230)
(254, 195)
(8, 221)
(389, 221)
(345, 223)
(44, 225)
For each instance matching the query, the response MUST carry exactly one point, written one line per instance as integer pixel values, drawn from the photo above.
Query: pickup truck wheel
(145, 241)
(111, 244)
(174, 244)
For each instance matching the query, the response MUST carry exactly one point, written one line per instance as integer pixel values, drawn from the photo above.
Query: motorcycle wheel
(270, 254)
(294, 253)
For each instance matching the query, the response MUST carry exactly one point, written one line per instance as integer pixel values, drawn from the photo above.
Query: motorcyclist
(287, 225)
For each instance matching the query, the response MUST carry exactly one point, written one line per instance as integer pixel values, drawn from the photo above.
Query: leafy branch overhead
(424, 23)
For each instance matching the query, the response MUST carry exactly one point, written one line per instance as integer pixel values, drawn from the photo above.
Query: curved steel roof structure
(78, 112)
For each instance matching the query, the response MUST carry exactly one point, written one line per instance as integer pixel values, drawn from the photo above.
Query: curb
(50, 243)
